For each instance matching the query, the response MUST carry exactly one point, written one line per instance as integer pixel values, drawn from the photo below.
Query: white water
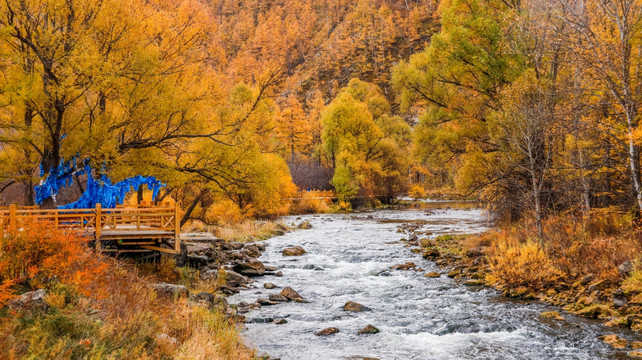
(348, 259)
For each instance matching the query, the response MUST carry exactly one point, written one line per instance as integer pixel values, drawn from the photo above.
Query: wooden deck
(123, 229)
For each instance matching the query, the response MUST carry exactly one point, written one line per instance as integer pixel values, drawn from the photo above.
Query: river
(348, 259)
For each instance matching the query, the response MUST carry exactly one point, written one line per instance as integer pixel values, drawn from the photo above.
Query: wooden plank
(156, 248)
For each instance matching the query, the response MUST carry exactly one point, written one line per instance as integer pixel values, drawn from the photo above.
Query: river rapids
(348, 259)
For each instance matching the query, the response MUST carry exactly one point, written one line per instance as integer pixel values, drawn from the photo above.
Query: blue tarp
(97, 191)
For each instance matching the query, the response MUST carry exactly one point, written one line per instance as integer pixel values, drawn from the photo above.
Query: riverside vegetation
(584, 267)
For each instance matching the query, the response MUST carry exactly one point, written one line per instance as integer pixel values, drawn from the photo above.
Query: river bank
(474, 260)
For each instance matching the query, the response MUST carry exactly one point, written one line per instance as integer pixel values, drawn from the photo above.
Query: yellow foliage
(310, 202)
(417, 192)
(515, 264)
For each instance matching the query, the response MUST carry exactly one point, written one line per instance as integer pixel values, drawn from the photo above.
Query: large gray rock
(252, 251)
(170, 289)
(250, 268)
(196, 260)
(234, 279)
(211, 274)
(625, 268)
(30, 300)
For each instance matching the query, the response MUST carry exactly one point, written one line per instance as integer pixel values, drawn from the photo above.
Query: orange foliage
(36, 254)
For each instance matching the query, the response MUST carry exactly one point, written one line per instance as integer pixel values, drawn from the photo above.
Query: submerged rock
(266, 301)
(615, 341)
(278, 297)
(551, 315)
(327, 331)
(305, 225)
(280, 321)
(293, 251)
(369, 329)
(406, 266)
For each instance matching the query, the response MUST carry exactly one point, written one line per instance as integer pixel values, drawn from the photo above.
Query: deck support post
(177, 228)
(98, 224)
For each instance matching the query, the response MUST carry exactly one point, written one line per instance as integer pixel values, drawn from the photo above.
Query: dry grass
(573, 246)
(248, 230)
(119, 317)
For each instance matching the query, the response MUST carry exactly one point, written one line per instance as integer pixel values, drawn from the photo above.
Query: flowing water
(348, 259)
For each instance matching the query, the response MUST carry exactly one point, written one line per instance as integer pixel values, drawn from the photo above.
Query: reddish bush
(36, 255)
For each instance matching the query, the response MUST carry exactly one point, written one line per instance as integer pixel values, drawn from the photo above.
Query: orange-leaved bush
(514, 264)
(35, 254)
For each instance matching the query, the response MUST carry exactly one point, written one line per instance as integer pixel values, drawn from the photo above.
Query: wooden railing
(154, 225)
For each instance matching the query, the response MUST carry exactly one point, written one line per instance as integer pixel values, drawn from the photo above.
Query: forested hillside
(210, 97)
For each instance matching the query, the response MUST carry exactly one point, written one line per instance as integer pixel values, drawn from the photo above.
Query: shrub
(515, 264)
(35, 255)
(310, 202)
(417, 192)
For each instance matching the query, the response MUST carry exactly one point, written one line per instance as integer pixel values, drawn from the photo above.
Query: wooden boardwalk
(123, 229)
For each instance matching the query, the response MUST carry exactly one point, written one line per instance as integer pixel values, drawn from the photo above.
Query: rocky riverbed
(350, 288)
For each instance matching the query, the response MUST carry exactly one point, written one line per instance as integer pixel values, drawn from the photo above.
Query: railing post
(98, 224)
(177, 228)
(12, 217)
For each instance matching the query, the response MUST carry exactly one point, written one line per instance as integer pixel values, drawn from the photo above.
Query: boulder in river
(278, 297)
(634, 354)
(250, 268)
(369, 329)
(431, 253)
(432, 274)
(293, 251)
(266, 301)
(291, 294)
(406, 266)
(278, 274)
(327, 331)
(305, 225)
(354, 307)
(551, 315)
(269, 286)
(280, 321)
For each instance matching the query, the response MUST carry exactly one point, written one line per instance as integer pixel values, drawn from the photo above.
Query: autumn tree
(365, 143)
